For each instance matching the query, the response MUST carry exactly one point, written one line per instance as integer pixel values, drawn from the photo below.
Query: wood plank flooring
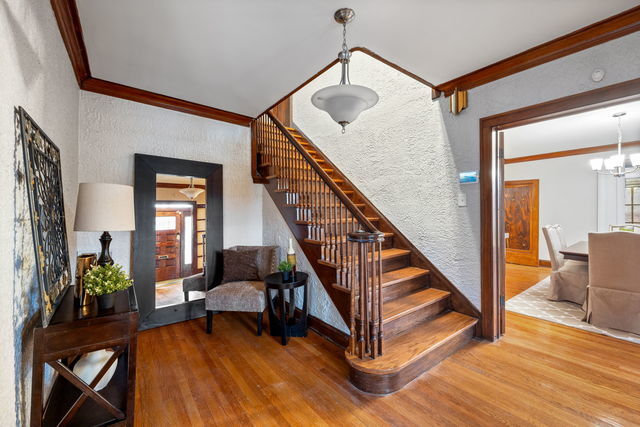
(519, 278)
(539, 374)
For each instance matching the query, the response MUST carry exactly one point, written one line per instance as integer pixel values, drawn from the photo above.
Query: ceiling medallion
(344, 102)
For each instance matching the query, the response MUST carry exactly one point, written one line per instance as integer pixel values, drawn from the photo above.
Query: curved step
(408, 355)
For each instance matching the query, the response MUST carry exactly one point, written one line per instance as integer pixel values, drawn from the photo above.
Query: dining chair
(569, 279)
(613, 299)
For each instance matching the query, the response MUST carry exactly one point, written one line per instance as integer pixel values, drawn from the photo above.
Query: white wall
(35, 73)
(568, 194)
(276, 232)
(112, 130)
(416, 148)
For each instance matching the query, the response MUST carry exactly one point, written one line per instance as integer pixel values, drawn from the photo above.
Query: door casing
(492, 322)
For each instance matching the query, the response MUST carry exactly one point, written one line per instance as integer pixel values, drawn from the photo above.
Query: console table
(287, 325)
(71, 333)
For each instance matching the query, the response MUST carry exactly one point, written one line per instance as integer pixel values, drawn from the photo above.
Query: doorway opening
(517, 239)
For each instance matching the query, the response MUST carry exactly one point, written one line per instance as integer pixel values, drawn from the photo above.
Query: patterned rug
(533, 302)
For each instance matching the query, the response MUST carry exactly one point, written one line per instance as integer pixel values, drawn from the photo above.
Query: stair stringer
(459, 302)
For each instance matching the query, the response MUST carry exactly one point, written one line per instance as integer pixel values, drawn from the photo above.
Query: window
(632, 201)
(164, 223)
(188, 239)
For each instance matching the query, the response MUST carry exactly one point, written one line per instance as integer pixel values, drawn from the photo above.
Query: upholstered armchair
(569, 279)
(614, 281)
(243, 295)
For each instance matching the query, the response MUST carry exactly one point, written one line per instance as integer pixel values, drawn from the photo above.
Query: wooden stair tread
(395, 276)
(409, 303)
(401, 350)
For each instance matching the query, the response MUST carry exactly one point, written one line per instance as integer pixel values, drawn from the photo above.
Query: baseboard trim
(325, 330)
(544, 263)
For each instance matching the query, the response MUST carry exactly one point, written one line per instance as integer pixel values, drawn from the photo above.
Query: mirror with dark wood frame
(178, 237)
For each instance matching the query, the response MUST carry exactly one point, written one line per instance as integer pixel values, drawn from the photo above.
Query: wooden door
(168, 263)
(521, 221)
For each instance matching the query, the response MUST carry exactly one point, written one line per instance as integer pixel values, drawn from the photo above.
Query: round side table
(285, 324)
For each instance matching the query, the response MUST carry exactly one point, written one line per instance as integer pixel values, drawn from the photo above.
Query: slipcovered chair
(244, 295)
(613, 299)
(569, 279)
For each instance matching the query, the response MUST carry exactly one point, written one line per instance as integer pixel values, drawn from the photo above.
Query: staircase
(404, 315)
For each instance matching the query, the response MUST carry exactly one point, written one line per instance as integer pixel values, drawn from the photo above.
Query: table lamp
(104, 207)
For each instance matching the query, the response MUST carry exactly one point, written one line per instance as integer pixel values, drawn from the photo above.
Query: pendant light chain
(345, 49)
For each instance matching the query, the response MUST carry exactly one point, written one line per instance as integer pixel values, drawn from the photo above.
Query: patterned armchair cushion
(237, 296)
(239, 265)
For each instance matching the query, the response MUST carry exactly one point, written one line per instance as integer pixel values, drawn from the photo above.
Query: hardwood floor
(519, 278)
(539, 374)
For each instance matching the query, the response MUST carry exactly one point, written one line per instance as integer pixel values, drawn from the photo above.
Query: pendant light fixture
(616, 164)
(344, 102)
(191, 192)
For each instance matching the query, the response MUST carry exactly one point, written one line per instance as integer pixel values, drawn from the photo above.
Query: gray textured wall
(112, 130)
(416, 149)
(34, 73)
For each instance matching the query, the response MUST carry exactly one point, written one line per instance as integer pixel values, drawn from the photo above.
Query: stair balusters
(348, 239)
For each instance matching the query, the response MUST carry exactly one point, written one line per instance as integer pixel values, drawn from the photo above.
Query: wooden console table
(70, 334)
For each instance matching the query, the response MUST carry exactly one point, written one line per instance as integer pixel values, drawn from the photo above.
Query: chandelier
(191, 192)
(344, 102)
(616, 164)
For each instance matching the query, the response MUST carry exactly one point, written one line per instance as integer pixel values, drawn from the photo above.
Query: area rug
(533, 302)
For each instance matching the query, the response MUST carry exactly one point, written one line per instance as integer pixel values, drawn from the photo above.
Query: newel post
(365, 265)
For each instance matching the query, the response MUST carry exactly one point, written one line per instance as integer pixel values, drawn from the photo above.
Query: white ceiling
(588, 129)
(244, 55)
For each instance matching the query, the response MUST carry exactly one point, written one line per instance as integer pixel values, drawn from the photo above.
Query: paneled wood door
(168, 226)
(521, 216)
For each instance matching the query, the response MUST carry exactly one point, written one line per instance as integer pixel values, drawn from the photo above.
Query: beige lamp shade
(104, 207)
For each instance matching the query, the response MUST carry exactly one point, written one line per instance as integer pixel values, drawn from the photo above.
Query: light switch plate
(462, 199)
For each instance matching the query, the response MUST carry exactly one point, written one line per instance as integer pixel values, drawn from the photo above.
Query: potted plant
(104, 281)
(285, 268)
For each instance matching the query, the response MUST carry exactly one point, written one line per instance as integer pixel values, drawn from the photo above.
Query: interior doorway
(492, 187)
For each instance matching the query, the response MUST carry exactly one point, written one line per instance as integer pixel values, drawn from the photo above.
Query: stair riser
(384, 384)
(395, 263)
(407, 321)
(405, 287)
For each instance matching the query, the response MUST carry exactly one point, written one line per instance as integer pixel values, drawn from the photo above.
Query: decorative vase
(286, 276)
(83, 264)
(106, 301)
(91, 363)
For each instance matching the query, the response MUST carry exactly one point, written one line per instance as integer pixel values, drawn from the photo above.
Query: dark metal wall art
(44, 177)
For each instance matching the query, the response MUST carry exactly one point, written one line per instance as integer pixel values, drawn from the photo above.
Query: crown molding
(608, 29)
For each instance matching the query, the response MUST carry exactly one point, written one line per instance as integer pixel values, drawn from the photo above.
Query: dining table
(579, 251)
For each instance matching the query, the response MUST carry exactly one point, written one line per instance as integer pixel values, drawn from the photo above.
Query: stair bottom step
(409, 355)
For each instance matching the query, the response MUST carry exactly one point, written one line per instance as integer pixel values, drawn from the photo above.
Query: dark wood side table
(286, 324)
(71, 333)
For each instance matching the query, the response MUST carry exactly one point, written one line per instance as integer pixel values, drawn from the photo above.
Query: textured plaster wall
(35, 73)
(275, 231)
(112, 130)
(413, 148)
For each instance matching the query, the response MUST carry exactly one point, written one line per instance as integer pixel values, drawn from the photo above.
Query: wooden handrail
(362, 219)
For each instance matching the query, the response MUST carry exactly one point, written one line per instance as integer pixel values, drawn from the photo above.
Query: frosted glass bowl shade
(344, 103)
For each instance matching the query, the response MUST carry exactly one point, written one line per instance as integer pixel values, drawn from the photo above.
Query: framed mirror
(178, 238)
